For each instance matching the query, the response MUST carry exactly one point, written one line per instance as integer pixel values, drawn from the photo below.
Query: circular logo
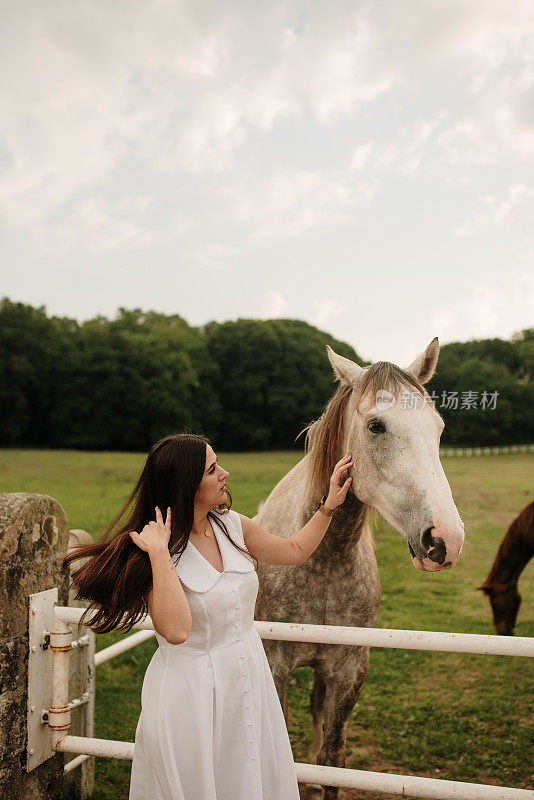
(384, 399)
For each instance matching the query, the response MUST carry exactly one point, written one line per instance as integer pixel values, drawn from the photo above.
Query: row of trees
(248, 384)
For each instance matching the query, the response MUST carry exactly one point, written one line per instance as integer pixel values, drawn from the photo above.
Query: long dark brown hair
(117, 575)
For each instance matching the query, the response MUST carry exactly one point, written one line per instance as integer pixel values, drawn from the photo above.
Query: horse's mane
(323, 441)
(325, 436)
(517, 543)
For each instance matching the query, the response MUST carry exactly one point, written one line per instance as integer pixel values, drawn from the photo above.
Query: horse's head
(392, 431)
(505, 601)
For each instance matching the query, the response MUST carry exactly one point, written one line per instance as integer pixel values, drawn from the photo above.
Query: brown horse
(514, 553)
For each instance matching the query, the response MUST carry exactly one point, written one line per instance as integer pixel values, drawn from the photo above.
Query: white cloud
(183, 86)
(413, 143)
(361, 157)
(443, 320)
(327, 311)
(515, 213)
(289, 204)
(500, 94)
(124, 124)
(493, 309)
(217, 256)
(273, 306)
(96, 226)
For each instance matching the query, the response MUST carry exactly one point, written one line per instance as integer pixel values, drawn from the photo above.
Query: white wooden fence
(56, 715)
(486, 451)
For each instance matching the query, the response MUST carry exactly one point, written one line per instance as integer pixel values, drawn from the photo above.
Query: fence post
(82, 676)
(34, 533)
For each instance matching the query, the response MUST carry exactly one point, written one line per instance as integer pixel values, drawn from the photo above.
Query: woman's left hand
(338, 490)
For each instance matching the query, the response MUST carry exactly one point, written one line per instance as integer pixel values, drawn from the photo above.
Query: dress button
(236, 625)
(247, 706)
(236, 606)
(234, 589)
(253, 758)
(241, 656)
(246, 690)
(252, 741)
(243, 673)
(238, 640)
(251, 723)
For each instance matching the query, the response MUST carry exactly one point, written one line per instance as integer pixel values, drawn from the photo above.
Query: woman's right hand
(338, 489)
(155, 535)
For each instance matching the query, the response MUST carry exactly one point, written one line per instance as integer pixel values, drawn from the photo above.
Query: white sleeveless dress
(211, 724)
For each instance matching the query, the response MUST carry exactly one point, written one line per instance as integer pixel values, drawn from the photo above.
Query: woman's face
(211, 492)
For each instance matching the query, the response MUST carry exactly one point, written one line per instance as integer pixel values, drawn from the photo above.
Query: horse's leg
(280, 681)
(314, 791)
(280, 663)
(281, 668)
(317, 710)
(280, 677)
(341, 697)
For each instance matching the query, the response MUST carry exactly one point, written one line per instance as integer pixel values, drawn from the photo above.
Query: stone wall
(34, 535)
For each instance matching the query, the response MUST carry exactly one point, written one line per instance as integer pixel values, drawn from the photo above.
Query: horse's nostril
(434, 547)
(427, 540)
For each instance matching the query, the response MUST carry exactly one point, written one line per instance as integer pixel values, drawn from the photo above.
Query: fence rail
(483, 644)
(405, 785)
(486, 451)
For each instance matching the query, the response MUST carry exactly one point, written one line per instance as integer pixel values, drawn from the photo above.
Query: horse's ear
(346, 370)
(424, 365)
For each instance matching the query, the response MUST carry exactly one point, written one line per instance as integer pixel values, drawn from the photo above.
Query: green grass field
(453, 716)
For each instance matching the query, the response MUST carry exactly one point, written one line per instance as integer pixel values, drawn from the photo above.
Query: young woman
(211, 725)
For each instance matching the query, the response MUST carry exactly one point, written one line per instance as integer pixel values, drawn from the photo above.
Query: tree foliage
(247, 384)
(487, 365)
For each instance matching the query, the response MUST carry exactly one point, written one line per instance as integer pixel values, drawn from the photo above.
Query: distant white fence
(486, 451)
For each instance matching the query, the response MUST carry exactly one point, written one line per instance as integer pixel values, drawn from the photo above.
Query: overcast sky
(364, 166)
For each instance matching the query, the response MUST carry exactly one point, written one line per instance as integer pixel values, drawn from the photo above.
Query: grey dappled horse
(384, 418)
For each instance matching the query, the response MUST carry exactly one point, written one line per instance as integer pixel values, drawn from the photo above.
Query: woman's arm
(167, 603)
(276, 550)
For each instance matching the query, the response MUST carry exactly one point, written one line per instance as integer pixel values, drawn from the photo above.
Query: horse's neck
(345, 529)
(513, 555)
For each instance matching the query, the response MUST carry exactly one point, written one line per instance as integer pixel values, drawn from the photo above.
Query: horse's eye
(376, 427)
